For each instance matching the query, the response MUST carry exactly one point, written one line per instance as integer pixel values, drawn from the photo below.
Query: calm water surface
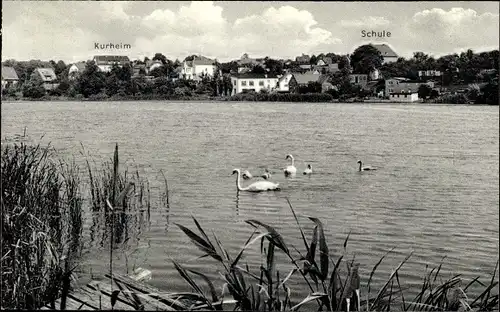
(436, 190)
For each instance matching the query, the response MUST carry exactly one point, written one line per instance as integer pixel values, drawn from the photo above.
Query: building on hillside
(9, 77)
(106, 62)
(359, 79)
(152, 65)
(387, 53)
(287, 83)
(429, 74)
(199, 66)
(250, 82)
(49, 78)
(76, 69)
(404, 97)
(303, 59)
(139, 70)
(397, 85)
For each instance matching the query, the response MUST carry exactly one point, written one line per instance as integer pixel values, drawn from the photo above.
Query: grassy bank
(43, 200)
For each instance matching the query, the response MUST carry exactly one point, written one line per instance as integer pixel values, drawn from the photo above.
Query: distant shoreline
(226, 99)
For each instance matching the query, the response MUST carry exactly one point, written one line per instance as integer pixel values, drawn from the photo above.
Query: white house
(404, 97)
(200, 65)
(76, 69)
(284, 82)
(248, 82)
(387, 53)
(106, 62)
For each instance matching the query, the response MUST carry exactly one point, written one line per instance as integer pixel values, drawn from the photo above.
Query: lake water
(436, 190)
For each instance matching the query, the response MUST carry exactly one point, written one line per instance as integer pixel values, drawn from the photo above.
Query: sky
(69, 30)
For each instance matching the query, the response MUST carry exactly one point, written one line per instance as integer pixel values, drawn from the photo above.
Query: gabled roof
(106, 59)
(305, 66)
(254, 76)
(306, 78)
(201, 60)
(80, 65)
(150, 63)
(47, 74)
(9, 73)
(385, 50)
(328, 60)
(287, 75)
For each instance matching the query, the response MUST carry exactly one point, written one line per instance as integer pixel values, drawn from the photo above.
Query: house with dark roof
(76, 69)
(387, 53)
(199, 66)
(106, 62)
(303, 80)
(9, 77)
(251, 82)
(49, 78)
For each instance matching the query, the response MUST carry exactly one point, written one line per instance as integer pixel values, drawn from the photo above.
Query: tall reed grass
(41, 225)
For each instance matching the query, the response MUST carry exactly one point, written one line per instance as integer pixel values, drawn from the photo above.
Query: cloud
(455, 29)
(275, 29)
(370, 21)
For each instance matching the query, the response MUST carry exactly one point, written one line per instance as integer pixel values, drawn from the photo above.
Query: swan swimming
(367, 168)
(290, 170)
(247, 175)
(260, 186)
(266, 175)
(309, 170)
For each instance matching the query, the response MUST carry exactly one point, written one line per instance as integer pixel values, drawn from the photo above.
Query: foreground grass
(330, 287)
(43, 199)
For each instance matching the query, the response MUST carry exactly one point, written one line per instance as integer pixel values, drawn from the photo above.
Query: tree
(91, 81)
(34, 87)
(365, 59)
(258, 70)
(60, 68)
(160, 57)
(424, 91)
(275, 67)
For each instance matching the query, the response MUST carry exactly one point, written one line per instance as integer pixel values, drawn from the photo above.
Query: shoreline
(227, 99)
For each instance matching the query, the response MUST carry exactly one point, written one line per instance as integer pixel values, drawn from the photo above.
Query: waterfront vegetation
(43, 200)
(476, 73)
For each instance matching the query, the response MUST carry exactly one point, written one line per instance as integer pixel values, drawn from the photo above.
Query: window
(406, 96)
(269, 81)
(261, 83)
(244, 83)
(285, 85)
(234, 83)
(251, 83)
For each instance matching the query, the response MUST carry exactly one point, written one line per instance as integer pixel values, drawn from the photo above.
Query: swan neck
(360, 166)
(238, 185)
(291, 158)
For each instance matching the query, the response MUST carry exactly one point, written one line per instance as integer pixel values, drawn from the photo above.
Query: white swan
(290, 170)
(247, 175)
(266, 175)
(367, 168)
(260, 186)
(309, 170)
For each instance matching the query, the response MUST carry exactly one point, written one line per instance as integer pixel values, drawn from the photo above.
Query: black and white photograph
(250, 155)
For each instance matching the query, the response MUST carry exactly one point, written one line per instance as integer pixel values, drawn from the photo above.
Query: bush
(282, 97)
